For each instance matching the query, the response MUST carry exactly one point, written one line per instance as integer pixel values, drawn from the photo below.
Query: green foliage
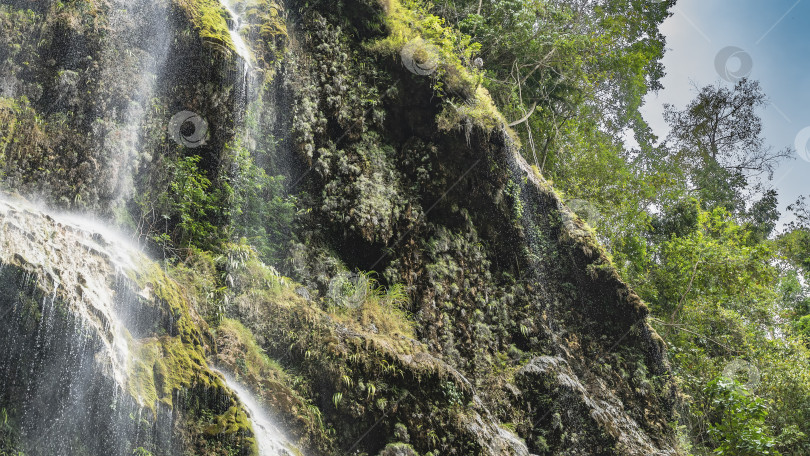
(513, 191)
(190, 211)
(398, 449)
(565, 63)
(359, 300)
(451, 52)
(715, 265)
(737, 421)
(191, 205)
(260, 211)
(362, 192)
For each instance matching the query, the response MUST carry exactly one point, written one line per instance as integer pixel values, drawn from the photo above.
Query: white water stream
(132, 61)
(269, 438)
(75, 255)
(235, 27)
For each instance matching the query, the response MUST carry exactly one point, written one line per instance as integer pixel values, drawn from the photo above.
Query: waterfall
(81, 332)
(81, 276)
(270, 440)
(132, 61)
(235, 27)
(67, 347)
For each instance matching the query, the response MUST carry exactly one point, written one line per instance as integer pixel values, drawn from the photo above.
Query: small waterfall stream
(133, 62)
(235, 27)
(270, 440)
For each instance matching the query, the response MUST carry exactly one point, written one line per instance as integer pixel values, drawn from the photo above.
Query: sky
(717, 41)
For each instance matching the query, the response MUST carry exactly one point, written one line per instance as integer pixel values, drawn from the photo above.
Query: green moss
(266, 15)
(9, 434)
(8, 124)
(410, 22)
(267, 34)
(332, 356)
(266, 26)
(252, 360)
(234, 426)
(154, 284)
(239, 353)
(481, 112)
(209, 19)
(232, 421)
(19, 120)
(162, 365)
(197, 276)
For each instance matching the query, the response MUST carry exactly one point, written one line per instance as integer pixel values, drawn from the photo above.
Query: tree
(718, 140)
(713, 263)
(721, 126)
(717, 293)
(794, 247)
(552, 62)
(738, 420)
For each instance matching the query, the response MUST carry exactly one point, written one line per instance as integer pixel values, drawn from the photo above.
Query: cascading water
(270, 440)
(77, 326)
(235, 27)
(81, 339)
(67, 350)
(133, 60)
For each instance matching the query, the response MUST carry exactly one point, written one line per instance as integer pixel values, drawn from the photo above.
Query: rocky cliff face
(407, 284)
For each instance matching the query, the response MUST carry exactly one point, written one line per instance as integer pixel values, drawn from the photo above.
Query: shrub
(738, 420)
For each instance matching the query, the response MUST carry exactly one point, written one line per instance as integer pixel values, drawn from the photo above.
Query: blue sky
(776, 36)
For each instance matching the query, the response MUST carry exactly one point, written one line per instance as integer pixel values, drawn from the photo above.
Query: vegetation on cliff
(689, 222)
(360, 237)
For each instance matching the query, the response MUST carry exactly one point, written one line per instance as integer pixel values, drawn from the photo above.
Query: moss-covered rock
(209, 19)
(418, 37)
(498, 271)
